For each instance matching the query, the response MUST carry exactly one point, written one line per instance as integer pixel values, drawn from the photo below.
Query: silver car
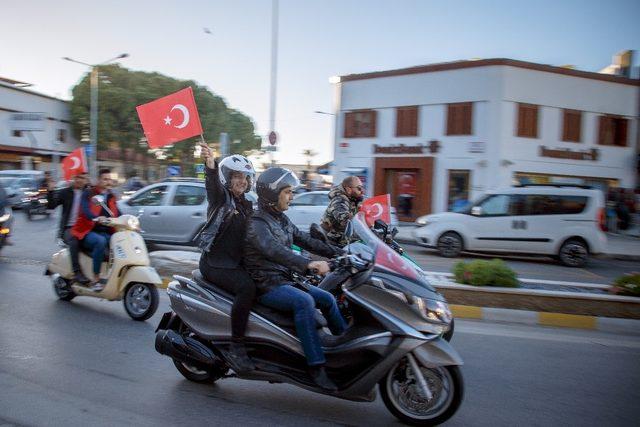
(308, 208)
(171, 211)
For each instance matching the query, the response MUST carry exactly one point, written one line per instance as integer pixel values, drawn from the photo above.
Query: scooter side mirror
(381, 225)
(98, 200)
(394, 231)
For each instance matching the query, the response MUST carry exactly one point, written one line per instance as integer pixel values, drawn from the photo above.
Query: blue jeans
(303, 305)
(97, 243)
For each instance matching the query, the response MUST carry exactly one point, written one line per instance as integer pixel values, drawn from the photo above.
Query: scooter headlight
(5, 217)
(133, 223)
(432, 310)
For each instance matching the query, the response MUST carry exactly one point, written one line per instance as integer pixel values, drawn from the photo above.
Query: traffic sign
(273, 137)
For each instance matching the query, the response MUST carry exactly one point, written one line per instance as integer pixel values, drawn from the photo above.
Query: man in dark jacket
(344, 201)
(69, 198)
(270, 260)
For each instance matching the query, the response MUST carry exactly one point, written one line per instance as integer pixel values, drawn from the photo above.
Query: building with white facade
(434, 136)
(49, 118)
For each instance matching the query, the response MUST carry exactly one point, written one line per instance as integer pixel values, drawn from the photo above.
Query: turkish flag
(75, 163)
(378, 207)
(170, 119)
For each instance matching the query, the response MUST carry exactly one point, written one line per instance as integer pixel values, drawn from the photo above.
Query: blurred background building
(438, 135)
(35, 129)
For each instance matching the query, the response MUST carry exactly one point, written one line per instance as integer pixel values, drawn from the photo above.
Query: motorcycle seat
(280, 318)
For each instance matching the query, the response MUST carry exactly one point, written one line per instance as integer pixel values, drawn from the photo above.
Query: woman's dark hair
(103, 171)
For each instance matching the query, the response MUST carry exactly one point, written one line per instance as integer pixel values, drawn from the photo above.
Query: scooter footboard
(142, 274)
(437, 353)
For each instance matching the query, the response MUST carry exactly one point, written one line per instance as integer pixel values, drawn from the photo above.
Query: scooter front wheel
(62, 288)
(141, 300)
(403, 397)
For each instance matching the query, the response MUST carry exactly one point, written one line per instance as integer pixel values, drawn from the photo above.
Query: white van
(566, 222)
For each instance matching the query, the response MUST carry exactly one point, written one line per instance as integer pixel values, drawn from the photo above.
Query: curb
(605, 324)
(619, 257)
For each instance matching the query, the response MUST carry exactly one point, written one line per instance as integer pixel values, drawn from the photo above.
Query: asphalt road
(85, 363)
(35, 241)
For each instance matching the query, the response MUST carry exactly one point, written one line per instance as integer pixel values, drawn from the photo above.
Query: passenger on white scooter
(222, 242)
(69, 198)
(91, 226)
(270, 261)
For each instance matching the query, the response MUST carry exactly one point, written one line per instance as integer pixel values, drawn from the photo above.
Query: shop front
(409, 181)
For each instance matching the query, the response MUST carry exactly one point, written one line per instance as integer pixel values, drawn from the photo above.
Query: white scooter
(127, 274)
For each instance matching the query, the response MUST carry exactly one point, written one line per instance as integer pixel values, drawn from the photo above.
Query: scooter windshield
(384, 256)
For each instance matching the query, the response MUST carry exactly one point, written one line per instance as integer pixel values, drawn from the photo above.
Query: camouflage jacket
(340, 210)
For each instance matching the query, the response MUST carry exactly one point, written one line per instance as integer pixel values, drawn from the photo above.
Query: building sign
(33, 122)
(476, 147)
(398, 149)
(344, 147)
(592, 154)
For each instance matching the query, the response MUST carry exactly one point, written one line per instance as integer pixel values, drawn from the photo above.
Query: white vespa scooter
(127, 274)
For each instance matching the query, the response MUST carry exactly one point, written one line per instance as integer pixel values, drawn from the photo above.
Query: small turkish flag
(75, 163)
(378, 207)
(170, 119)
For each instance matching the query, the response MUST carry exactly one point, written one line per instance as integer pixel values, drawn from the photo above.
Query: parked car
(308, 208)
(171, 211)
(565, 222)
(19, 184)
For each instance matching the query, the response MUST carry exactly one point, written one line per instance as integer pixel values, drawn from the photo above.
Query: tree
(121, 90)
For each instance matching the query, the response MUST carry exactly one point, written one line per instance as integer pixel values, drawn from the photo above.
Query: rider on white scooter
(270, 260)
(91, 227)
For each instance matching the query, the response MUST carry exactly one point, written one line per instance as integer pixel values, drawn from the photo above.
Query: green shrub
(485, 273)
(629, 284)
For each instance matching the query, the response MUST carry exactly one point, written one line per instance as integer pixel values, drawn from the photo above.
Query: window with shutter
(360, 124)
(407, 121)
(572, 124)
(459, 118)
(527, 121)
(612, 130)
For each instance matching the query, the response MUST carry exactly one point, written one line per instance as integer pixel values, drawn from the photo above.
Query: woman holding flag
(222, 241)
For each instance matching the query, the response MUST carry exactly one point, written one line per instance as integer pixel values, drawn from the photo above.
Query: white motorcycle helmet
(236, 163)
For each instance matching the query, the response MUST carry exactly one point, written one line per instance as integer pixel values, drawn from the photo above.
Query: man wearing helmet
(222, 241)
(270, 260)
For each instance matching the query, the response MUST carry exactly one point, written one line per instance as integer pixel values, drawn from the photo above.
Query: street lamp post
(93, 80)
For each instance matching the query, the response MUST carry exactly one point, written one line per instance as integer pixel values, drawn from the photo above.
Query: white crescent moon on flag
(76, 163)
(378, 206)
(185, 113)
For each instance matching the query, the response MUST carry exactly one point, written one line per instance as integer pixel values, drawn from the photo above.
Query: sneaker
(239, 357)
(81, 279)
(319, 376)
(97, 286)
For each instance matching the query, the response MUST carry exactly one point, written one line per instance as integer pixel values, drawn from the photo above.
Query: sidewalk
(620, 246)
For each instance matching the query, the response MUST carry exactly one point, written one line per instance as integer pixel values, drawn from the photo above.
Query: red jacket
(84, 224)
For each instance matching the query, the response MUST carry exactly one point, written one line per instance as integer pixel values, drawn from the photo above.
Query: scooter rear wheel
(141, 300)
(194, 373)
(402, 397)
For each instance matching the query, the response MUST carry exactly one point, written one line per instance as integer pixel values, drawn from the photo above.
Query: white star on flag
(167, 120)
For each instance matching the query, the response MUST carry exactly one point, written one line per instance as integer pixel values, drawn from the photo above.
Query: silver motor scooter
(394, 340)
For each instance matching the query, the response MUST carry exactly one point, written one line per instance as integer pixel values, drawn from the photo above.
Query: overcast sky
(318, 39)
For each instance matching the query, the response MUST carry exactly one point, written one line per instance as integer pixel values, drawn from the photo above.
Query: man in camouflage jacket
(344, 202)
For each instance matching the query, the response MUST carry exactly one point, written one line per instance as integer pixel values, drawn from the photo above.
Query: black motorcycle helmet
(271, 182)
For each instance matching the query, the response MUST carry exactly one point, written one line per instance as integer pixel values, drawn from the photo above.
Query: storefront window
(458, 197)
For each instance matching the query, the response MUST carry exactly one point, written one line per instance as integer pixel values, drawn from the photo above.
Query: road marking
(466, 311)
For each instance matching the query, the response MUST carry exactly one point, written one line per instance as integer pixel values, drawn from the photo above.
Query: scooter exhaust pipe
(183, 349)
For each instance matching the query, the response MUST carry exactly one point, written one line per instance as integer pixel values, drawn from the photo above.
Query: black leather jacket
(268, 255)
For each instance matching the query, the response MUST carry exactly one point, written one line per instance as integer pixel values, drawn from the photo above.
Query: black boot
(240, 358)
(319, 376)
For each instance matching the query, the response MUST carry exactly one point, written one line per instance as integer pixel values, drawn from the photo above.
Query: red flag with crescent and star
(378, 207)
(170, 119)
(75, 163)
